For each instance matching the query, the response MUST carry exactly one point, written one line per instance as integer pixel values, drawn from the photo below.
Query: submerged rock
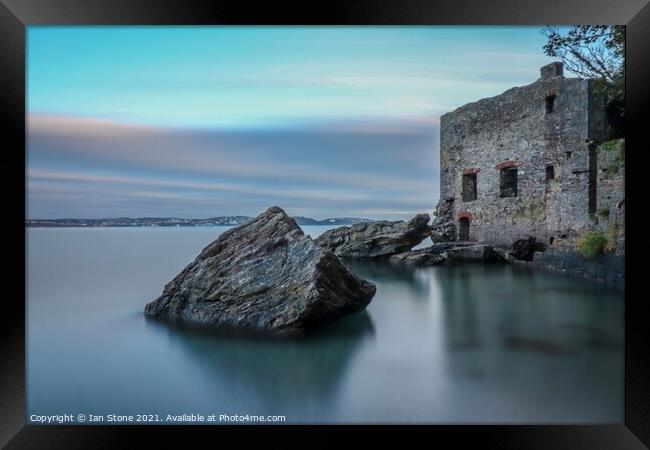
(420, 257)
(504, 254)
(523, 249)
(376, 239)
(433, 255)
(265, 275)
(472, 253)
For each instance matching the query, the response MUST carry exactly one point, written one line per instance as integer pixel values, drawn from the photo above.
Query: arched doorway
(463, 229)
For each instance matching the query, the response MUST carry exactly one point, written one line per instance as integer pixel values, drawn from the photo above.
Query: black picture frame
(15, 15)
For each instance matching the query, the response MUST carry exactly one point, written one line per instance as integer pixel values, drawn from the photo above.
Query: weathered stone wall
(607, 268)
(515, 129)
(610, 216)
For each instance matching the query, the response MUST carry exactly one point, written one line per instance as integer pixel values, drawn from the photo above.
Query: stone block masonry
(520, 164)
(532, 164)
(607, 269)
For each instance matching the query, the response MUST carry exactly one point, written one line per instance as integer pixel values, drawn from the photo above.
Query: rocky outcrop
(420, 257)
(472, 253)
(504, 254)
(443, 228)
(265, 275)
(523, 249)
(433, 255)
(376, 239)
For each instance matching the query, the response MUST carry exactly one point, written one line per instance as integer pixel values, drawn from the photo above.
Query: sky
(209, 121)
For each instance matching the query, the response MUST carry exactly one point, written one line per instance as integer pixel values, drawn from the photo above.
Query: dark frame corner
(15, 15)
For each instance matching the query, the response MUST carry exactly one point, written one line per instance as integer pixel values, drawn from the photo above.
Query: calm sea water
(470, 344)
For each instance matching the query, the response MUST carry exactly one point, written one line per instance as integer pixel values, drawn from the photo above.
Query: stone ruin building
(527, 164)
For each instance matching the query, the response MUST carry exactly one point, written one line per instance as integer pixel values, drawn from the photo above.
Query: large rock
(376, 239)
(265, 275)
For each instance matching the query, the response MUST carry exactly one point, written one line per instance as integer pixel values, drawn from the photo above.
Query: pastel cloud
(205, 121)
(76, 167)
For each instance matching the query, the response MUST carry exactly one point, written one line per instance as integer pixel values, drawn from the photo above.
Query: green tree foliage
(598, 52)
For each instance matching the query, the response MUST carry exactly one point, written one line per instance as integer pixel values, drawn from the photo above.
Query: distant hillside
(175, 222)
(332, 221)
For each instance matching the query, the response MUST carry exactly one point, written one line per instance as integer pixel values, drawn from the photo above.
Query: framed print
(317, 219)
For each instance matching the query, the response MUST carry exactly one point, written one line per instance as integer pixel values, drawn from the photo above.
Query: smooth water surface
(469, 344)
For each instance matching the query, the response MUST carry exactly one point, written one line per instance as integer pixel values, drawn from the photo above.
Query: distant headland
(175, 222)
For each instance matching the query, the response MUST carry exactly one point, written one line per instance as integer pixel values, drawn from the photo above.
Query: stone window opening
(550, 173)
(508, 182)
(568, 155)
(469, 187)
(550, 240)
(550, 103)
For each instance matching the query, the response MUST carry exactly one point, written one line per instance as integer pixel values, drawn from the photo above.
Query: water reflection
(527, 311)
(384, 272)
(463, 344)
(275, 374)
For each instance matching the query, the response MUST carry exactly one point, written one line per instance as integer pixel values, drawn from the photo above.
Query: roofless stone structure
(523, 163)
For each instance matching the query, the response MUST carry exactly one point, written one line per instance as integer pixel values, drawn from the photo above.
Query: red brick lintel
(465, 215)
(507, 164)
(471, 170)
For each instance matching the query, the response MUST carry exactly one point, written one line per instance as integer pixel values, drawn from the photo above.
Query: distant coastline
(175, 222)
